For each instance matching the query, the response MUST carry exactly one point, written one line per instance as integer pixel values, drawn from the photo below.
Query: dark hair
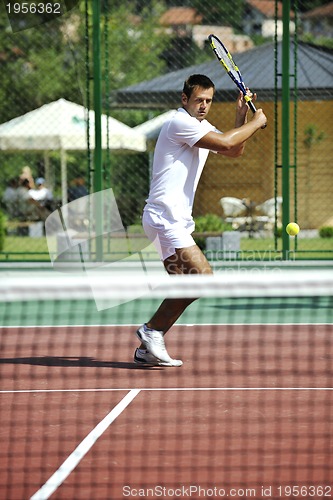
(197, 81)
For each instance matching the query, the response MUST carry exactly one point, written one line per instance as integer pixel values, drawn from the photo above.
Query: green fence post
(98, 171)
(285, 127)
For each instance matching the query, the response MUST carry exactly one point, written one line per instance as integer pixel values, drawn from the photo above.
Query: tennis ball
(292, 228)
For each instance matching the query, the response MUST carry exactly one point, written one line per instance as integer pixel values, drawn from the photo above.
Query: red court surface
(249, 414)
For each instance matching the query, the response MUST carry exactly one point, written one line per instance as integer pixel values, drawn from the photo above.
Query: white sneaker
(154, 343)
(144, 358)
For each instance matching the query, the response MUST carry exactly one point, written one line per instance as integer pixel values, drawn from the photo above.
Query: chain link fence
(49, 81)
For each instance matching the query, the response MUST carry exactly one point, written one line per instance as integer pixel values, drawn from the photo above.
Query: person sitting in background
(42, 194)
(27, 174)
(28, 209)
(9, 198)
(77, 189)
(78, 204)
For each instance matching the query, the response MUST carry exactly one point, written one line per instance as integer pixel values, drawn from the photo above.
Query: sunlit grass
(18, 248)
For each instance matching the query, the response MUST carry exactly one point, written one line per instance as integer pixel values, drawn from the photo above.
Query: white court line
(178, 324)
(53, 483)
(149, 389)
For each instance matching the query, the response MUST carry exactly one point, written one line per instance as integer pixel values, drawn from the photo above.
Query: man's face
(198, 105)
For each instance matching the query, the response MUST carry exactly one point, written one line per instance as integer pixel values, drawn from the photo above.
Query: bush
(2, 231)
(326, 232)
(278, 232)
(209, 223)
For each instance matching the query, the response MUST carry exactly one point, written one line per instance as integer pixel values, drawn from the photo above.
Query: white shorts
(166, 235)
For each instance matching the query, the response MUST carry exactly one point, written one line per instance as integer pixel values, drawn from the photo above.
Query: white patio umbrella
(151, 128)
(62, 125)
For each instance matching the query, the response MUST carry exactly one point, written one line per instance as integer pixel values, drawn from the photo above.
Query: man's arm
(241, 118)
(231, 143)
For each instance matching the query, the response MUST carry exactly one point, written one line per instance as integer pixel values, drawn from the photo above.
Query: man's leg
(188, 260)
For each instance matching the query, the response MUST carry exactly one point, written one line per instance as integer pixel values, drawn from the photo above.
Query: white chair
(234, 211)
(265, 212)
(268, 208)
(232, 207)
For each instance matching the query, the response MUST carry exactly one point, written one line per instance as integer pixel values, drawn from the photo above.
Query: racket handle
(254, 109)
(252, 106)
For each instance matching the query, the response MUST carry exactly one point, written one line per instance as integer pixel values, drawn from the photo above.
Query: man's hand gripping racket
(225, 58)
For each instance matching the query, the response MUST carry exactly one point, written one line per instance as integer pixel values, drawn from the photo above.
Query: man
(28, 209)
(180, 155)
(42, 194)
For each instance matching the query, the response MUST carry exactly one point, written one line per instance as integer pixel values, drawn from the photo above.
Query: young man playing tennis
(180, 155)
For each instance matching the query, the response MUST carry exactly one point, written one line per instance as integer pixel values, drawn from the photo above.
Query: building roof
(314, 78)
(267, 8)
(322, 11)
(180, 15)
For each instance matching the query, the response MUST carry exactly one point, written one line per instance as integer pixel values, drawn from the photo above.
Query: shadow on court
(74, 362)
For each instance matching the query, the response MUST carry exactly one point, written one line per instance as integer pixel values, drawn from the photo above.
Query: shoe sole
(145, 363)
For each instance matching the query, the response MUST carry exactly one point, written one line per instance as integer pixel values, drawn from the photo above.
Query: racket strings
(225, 58)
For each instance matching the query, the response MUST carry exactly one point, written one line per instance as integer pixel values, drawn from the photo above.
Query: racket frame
(238, 82)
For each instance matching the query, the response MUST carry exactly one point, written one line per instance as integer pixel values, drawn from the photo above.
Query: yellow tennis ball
(292, 228)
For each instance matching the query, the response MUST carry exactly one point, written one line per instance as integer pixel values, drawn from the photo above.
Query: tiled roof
(322, 11)
(267, 8)
(180, 15)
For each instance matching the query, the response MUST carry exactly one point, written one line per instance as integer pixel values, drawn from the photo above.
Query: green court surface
(312, 308)
(259, 310)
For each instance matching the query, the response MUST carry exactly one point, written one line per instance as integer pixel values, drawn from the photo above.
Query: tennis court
(248, 415)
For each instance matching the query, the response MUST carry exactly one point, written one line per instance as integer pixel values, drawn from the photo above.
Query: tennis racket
(225, 58)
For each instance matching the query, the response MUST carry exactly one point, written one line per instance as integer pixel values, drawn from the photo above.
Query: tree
(44, 63)
(133, 45)
(221, 13)
(36, 66)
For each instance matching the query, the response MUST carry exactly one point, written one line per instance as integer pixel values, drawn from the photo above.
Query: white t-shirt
(177, 166)
(42, 195)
